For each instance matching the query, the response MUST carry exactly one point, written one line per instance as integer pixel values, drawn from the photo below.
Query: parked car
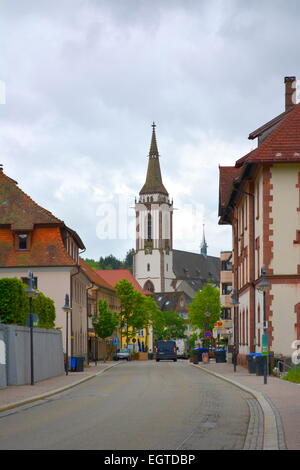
(123, 353)
(165, 350)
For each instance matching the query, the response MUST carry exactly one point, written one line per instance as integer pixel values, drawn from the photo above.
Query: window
(226, 288)
(226, 266)
(149, 227)
(148, 267)
(23, 241)
(149, 286)
(226, 313)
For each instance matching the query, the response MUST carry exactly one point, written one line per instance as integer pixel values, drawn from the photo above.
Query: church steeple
(203, 244)
(153, 184)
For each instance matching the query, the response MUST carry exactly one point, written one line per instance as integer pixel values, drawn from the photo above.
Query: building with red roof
(259, 197)
(113, 276)
(33, 239)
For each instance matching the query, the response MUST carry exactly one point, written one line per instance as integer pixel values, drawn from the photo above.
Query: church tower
(153, 259)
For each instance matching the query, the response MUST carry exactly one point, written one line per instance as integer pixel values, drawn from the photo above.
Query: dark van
(165, 350)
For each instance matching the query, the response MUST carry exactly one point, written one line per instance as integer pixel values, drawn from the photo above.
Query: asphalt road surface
(135, 405)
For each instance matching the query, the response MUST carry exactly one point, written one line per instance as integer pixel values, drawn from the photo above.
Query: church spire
(153, 153)
(153, 184)
(203, 244)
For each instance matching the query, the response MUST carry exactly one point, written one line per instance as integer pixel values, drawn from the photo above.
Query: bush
(293, 375)
(14, 303)
(44, 307)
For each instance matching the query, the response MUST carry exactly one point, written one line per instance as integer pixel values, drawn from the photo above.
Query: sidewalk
(284, 397)
(13, 396)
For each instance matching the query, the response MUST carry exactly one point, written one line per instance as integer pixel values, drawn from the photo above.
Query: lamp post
(66, 308)
(31, 293)
(264, 286)
(235, 303)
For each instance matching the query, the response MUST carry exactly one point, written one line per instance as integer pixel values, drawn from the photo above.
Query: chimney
(290, 92)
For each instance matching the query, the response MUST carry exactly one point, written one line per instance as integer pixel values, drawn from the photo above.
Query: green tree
(44, 307)
(106, 323)
(205, 308)
(168, 325)
(175, 325)
(134, 309)
(110, 262)
(14, 303)
(128, 262)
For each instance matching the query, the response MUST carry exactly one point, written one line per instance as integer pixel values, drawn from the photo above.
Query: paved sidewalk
(13, 396)
(283, 396)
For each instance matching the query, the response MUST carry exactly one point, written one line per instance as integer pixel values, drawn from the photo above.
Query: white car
(123, 353)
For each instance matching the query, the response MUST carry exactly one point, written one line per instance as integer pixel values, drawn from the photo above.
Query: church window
(148, 267)
(149, 227)
(167, 267)
(149, 286)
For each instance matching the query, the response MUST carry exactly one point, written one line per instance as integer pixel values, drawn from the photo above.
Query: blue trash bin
(73, 364)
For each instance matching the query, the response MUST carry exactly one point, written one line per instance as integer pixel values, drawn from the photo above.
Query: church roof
(168, 301)
(153, 184)
(195, 266)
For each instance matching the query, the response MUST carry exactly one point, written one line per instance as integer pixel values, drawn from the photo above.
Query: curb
(270, 435)
(26, 401)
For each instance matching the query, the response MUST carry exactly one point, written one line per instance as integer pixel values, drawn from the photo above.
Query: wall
(47, 353)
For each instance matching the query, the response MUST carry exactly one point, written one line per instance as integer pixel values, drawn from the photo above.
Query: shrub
(293, 375)
(14, 303)
(44, 307)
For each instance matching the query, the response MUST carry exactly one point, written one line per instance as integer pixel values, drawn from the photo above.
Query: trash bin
(73, 363)
(150, 355)
(197, 353)
(251, 358)
(260, 364)
(220, 355)
(79, 364)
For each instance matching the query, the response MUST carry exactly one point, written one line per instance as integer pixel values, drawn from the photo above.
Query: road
(135, 405)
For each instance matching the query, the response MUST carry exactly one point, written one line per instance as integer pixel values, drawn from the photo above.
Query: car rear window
(166, 345)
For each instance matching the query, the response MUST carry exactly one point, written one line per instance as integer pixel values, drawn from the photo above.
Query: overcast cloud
(85, 79)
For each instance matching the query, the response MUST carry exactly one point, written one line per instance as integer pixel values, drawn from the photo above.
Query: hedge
(14, 304)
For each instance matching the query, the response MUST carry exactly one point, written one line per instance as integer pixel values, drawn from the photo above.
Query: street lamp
(66, 308)
(31, 293)
(264, 286)
(235, 303)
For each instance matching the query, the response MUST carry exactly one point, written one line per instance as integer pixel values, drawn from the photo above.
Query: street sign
(264, 344)
(207, 334)
(215, 333)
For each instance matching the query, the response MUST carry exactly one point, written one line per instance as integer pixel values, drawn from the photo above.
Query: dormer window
(22, 241)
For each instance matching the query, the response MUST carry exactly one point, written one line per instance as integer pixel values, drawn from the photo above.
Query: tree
(168, 325)
(205, 308)
(134, 309)
(14, 303)
(44, 307)
(128, 262)
(175, 325)
(106, 323)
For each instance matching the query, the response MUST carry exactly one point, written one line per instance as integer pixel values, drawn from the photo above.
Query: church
(158, 267)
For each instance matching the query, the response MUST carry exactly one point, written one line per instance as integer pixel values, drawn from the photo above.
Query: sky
(81, 82)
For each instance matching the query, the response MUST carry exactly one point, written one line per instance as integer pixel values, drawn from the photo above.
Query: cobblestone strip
(255, 435)
(280, 429)
(270, 432)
